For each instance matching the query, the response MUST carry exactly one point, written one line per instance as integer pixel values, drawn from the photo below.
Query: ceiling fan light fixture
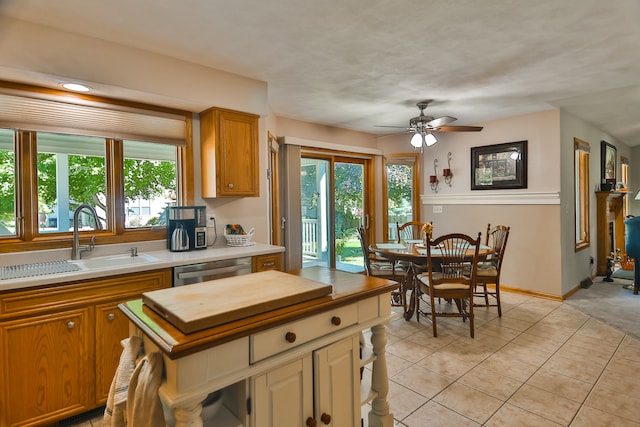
(416, 140)
(430, 139)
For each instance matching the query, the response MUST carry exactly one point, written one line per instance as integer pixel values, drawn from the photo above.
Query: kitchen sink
(66, 266)
(109, 261)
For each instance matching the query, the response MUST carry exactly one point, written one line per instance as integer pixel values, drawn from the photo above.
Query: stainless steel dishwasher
(201, 272)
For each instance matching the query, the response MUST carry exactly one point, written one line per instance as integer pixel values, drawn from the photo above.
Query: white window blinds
(19, 112)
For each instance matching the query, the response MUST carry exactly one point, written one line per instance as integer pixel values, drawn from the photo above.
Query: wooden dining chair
(414, 230)
(381, 267)
(489, 270)
(445, 277)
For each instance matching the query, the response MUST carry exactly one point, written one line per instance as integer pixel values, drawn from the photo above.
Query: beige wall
(576, 265)
(122, 72)
(326, 134)
(534, 259)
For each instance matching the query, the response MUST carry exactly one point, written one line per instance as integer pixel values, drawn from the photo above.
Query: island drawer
(290, 335)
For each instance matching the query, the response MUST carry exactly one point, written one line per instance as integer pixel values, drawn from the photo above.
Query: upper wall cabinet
(229, 153)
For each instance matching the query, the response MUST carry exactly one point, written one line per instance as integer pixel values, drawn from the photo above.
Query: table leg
(410, 283)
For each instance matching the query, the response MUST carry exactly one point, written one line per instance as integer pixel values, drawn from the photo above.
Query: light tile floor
(542, 364)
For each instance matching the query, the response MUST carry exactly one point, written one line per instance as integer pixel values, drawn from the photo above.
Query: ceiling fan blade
(441, 121)
(458, 129)
(395, 127)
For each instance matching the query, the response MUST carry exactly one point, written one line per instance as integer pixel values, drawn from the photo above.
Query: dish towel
(115, 411)
(144, 408)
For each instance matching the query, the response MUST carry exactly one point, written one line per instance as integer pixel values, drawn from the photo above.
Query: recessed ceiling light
(76, 87)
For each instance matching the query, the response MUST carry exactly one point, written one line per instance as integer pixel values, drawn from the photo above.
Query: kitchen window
(401, 180)
(71, 171)
(125, 160)
(7, 183)
(150, 172)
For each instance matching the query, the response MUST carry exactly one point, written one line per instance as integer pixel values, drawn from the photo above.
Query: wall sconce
(446, 173)
(433, 179)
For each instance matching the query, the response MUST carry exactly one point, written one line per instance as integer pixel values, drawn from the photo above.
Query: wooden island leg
(379, 415)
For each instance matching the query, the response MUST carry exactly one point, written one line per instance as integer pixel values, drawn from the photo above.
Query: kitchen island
(296, 365)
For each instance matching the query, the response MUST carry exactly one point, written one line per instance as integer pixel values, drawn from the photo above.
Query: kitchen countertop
(165, 259)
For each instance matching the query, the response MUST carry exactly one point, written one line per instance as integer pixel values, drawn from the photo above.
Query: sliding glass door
(333, 200)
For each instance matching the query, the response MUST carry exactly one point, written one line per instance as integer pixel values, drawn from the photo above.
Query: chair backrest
(496, 238)
(362, 236)
(414, 230)
(450, 256)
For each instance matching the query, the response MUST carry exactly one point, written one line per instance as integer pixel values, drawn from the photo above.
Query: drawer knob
(311, 422)
(111, 316)
(335, 320)
(71, 324)
(325, 418)
(290, 337)
(230, 185)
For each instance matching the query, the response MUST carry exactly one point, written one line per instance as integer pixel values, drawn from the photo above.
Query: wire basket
(239, 239)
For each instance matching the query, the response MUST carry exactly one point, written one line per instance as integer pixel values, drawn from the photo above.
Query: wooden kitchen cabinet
(112, 326)
(229, 153)
(45, 367)
(61, 345)
(267, 262)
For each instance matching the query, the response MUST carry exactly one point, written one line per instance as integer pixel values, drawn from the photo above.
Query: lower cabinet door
(112, 326)
(320, 389)
(337, 384)
(284, 396)
(45, 361)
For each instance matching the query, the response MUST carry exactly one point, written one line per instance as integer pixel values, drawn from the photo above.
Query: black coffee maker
(186, 228)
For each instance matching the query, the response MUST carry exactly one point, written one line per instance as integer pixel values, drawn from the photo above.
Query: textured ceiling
(361, 63)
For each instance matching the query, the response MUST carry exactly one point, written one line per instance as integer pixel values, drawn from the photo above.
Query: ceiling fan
(423, 126)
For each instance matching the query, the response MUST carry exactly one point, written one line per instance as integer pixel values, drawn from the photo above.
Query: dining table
(414, 253)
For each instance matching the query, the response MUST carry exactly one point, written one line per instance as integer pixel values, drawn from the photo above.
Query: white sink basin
(109, 261)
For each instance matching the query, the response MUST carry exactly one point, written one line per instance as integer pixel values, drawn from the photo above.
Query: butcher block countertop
(204, 305)
(347, 289)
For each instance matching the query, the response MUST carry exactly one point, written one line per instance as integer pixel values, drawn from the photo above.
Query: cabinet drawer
(267, 262)
(286, 337)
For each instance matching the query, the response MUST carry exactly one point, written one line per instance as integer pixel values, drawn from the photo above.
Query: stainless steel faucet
(77, 248)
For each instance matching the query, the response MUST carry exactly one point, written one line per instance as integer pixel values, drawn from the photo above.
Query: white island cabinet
(298, 365)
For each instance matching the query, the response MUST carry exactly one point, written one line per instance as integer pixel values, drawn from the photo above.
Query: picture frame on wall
(609, 165)
(499, 166)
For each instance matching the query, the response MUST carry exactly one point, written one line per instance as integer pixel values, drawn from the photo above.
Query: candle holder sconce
(433, 179)
(446, 173)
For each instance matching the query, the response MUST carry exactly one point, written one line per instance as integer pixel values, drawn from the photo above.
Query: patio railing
(311, 239)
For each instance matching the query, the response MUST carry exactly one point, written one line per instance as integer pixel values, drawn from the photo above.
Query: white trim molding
(492, 198)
